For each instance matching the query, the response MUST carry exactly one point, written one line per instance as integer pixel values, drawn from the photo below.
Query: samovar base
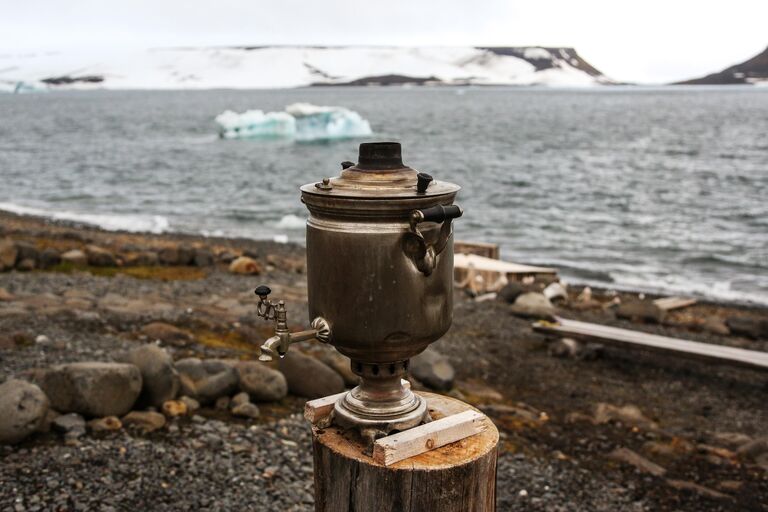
(381, 404)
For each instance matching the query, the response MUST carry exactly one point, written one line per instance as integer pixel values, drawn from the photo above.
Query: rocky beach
(129, 380)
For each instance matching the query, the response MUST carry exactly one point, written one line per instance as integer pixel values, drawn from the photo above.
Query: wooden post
(460, 476)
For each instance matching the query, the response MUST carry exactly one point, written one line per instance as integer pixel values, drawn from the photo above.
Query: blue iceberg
(302, 122)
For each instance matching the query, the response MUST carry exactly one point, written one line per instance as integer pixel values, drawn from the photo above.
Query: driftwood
(709, 352)
(460, 476)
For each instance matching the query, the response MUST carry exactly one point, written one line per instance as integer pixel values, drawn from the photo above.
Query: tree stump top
(349, 444)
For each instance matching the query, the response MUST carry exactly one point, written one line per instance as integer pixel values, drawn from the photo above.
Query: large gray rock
(308, 377)
(533, 305)
(206, 380)
(433, 370)
(23, 408)
(262, 383)
(160, 380)
(340, 363)
(92, 389)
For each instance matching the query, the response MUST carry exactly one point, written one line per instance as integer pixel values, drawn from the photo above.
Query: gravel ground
(554, 456)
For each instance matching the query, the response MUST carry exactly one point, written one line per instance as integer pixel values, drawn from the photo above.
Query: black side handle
(440, 213)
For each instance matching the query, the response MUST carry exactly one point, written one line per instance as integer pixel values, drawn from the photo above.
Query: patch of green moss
(229, 339)
(157, 272)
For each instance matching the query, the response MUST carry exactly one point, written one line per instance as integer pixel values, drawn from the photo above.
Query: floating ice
(300, 121)
(255, 124)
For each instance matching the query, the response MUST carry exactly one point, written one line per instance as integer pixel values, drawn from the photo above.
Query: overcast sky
(646, 41)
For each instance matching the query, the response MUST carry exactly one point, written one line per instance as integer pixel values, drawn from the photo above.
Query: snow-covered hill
(296, 66)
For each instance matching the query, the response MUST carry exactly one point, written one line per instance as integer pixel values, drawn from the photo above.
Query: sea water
(646, 188)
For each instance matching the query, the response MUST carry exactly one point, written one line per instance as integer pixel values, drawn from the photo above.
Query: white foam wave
(719, 290)
(291, 221)
(110, 222)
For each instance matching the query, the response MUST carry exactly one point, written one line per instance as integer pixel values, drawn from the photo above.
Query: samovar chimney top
(377, 156)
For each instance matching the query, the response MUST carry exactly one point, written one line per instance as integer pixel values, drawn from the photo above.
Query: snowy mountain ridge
(298, 66)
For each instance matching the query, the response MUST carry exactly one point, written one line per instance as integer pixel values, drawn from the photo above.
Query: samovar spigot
(278, 345)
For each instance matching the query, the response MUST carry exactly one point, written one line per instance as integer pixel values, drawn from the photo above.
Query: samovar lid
(380, 173)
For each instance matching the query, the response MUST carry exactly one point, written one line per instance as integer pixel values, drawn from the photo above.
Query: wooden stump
(457, 477)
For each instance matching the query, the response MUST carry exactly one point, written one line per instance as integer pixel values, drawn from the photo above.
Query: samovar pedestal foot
(381, 404)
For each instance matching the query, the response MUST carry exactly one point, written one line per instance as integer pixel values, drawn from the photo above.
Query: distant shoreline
(24, 224)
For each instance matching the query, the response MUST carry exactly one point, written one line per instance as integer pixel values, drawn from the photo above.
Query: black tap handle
(440, 213)
(262, 291)
(422, 182)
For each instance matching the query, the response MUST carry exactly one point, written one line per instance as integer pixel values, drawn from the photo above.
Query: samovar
(380, 281)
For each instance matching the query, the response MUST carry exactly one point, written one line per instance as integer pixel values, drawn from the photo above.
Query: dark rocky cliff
(748, 72)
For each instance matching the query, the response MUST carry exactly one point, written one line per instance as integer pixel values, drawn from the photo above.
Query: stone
(339, 363)
(239, 399)
(533, 305)
(160, 380)
(26, 252)
(222, 403)
(72, 425)
(570, 348)
(93, 389)
(75, 257)
(186, 255)
(262, 383)
(755, 328)
(142, 259)
(247, 410)
(166, 333)
(245, 265)
(754, 447)
(192, 404)
(731, 439)
(556, 291)
(640, 311)
(99, 257)
(203, 257)
(148, 421)
(308, 377)
(6, 296)
(433, 370)
(26, 264)
(206, 380)
(105, 424)
(700, 489)
(511, 291)
(49, 258)
(716, 325)
(23, 409)
(47, 422)
(641, 463)
(8, 254)
(169, 255)
(227, 257)
(175, 408)
(628, 414)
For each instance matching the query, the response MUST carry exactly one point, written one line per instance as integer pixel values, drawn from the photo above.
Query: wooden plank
(503, 267)
(623, 337)
(316, 410)
(668, 303)
(429, 436)
(480, 248)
